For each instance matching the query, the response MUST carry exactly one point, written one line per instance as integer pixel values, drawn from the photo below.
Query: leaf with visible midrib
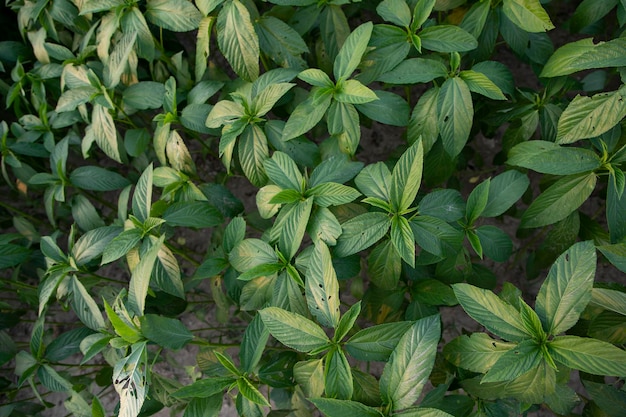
(237, 39)
(293, 330)
(410, 363)
(567, 288)
(559, 200)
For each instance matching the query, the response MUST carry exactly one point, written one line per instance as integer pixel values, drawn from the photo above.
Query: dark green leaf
(415, 70)
(331, 407)
(455, 114)
(390, 109)
(94, 178)
(164, 331)
(504, 191)
(447, 38)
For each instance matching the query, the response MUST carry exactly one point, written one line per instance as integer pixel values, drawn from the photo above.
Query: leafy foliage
(299, 188)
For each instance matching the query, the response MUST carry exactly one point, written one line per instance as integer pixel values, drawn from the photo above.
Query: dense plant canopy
(202, 177)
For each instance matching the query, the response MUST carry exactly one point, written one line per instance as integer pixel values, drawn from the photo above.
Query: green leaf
(332, 407)
(127, 331)
(94, 178)
(455, 113)
(588, 355)
(376, 343)
(559, 200)
(375, 181)
(251, 392)
(196, 214)
(403, 239)
(12, 255)
(140, 278)
(238, 40)
(142, 197)
(268, 97)
(589, 12)
(415, 70)
(283, 171)
(263, 270)
(249, 253)
(384, 265)
(347, 321)
(498, 316)
(316, 77)
(389, 109)
(515, 362)
(204, 388)
(423, 121)
(361, 232)
(447, 38)
(584, 54)
(407, 177)
(144, 95)
(283, 197)
(85, 307)
(166, 332)
(395, 11)
(121, 245)
(477, 352)
(504, 191)
(609, 398)
(532, 387)
(338, 381)
(496, 244)
(436, 236)
(332, 194)
(611, 300)
(281, 42)
(253, 344)
(308, 113)
(343, 125)
(293, 330)
(477, 201)
(174, 15)
(567, 288)
(353, 92)
(290, 226)
(118, 60)
(92, 244)
(322, 287)
(71, 99)
(324, 226)
(616, 206)
(410, 363)
(52, 380)
(528, 15)
(588, 117)
(481, 84)
(253, 152)
(351, 52)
